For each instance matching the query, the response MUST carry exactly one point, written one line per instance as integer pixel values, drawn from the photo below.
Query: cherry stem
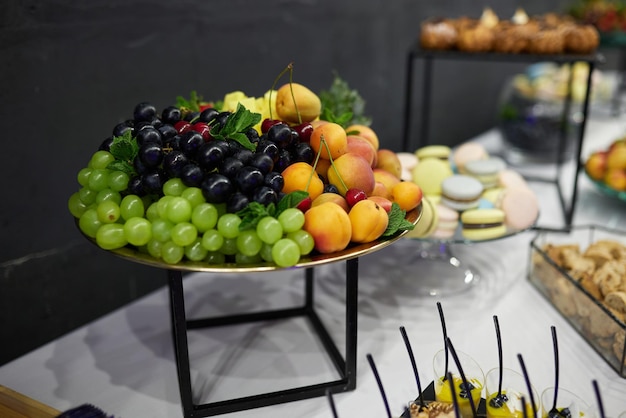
(463, 378)
(455, 401)
(500, 361)
(555, 345)
(407, 343)
(289, 67)
(445, 338)
(596, 389)
(529, 387)
(317, 158)
(329, 396)
(332, 163)
(293, 96)
(370, 359)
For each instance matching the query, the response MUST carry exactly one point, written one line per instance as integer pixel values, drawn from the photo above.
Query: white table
(124, 362)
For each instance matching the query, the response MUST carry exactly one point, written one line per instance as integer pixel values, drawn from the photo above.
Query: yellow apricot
(302, 176)
(293, 99)
(330, 226)
(407, 195)
(335, 137)
(368, 221)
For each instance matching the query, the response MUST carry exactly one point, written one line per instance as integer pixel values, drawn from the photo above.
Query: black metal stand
(345, 367)
(429, 56)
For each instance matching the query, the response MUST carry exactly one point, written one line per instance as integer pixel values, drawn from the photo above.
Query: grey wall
(70, 70)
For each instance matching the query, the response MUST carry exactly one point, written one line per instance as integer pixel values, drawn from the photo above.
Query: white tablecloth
(124, 362)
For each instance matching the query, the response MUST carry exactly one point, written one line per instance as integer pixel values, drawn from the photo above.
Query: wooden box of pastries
(582, 272)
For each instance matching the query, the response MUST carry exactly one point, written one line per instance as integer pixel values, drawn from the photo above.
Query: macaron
(441, 152)
(408, 161)
(429, 173)
(493, 195)
(447, 222)
(466, 152)
(461, 192)
(510, 178)
(486, 171)
(427, 223)
(520, 206)
(482, 224)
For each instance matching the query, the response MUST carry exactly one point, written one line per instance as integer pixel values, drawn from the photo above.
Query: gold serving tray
(312, 260)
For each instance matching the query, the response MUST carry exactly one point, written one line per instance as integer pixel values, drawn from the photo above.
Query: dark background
(70, 70)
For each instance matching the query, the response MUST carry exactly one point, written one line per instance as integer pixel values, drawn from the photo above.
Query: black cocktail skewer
(596, 389)
(524, 412)
(463, 378)
(331, 402)
(370, 359)
(445, 339)
(529, 387)
(407, 343)
(455, 401)
(555, 346)
(500, 361)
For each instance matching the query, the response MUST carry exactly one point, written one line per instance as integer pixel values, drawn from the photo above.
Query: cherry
(355, 195)
(182, 126)
(268, 123)
(203, 129)
(305, 204)
(304, 131)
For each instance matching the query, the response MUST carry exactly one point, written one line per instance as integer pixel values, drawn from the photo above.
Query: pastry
(438, 34)
(447, 222)
(461, 192)
(486, 171)
(520, 206)
(482, 224)
(581, 38)
(441, 152)
(432, 410)
(513, 36)
(548, 40)
(429, 173)
(479, 37)
(466, 152)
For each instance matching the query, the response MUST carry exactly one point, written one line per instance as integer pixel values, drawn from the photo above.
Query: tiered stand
(345, 364)
(429, 57)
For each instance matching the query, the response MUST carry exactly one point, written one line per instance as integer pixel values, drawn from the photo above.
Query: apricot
(350, 171)
(330, 227)
(331, 197)
(322, 167)
(615, 178)
(386, 178)
(595, 166)
(407, 195)
(334, 136)
(365, 132)
(293, 99)
(389, 161)
(380, 190)
(616, 156)
(368, 221)
(361, 146)
(382, 202)
(302, 176)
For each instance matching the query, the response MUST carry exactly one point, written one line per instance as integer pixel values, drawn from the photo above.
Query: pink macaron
(466, 152)
(447, 222)
(520, 206)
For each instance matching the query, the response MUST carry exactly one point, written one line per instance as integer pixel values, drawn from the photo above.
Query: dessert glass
(566, 399)
(473, 373)
(513, 389)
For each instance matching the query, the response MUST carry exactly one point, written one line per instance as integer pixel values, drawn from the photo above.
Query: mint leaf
(343, 104)
(291, 200)
(253, 213)
(193, 104)
(237, 125)
(124, 148)
(397, 221)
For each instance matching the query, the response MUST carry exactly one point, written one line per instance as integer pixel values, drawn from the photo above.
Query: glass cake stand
(446, 268)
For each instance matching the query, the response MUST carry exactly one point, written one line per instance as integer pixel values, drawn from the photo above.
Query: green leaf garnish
(236, 125)
(397, 221)
(191, 104)
(291, 200)
(343, 105)
(124, 148)
(253, 213)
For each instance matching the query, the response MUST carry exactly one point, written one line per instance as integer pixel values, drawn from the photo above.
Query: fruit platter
(277, 181)
(607, 169)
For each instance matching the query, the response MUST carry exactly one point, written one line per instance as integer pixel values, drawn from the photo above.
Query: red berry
(268, 123)
(305, 204)
(182, 126)
(304, 131)
(355, 195)
(203, 129)
(204, 106)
